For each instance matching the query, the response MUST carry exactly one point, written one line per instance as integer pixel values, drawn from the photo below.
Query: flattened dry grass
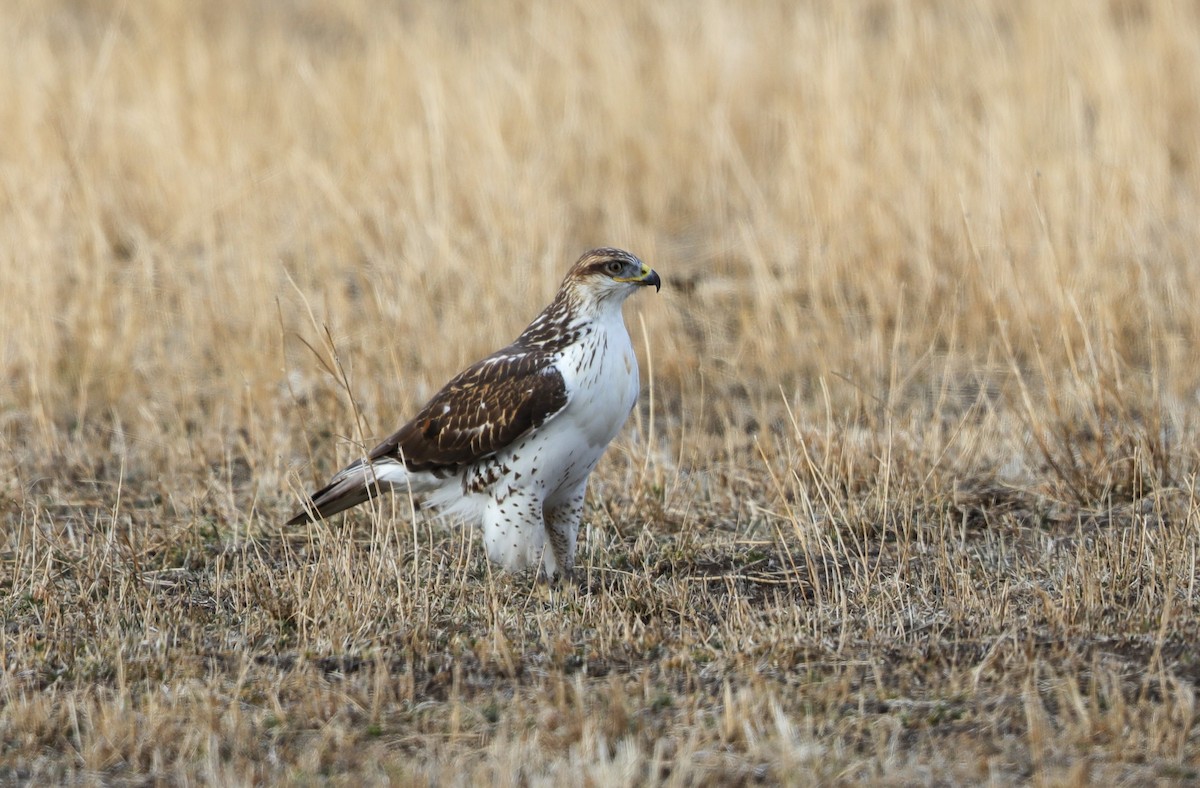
(911, 495)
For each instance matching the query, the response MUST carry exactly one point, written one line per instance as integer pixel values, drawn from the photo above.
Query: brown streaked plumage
(512, 438)
(482, 410)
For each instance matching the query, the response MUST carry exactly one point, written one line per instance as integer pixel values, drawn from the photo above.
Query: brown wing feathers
(479, 412)
(482, 410)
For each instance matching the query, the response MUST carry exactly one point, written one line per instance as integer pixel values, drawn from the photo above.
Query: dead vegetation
(912, 493)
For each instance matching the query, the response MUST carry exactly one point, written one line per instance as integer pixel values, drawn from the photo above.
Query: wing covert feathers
(482, 410)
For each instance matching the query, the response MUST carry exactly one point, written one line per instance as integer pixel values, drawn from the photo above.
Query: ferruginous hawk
(511, 440)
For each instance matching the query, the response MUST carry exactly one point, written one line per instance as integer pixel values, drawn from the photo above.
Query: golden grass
(911, 496)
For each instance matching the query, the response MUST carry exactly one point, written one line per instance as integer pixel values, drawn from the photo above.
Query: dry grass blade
(911, 493)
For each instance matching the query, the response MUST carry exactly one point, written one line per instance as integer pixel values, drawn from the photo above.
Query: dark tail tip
(350, 487)
(304, 517)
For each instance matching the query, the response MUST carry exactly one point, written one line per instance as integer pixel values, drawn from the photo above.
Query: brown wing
(479, 412)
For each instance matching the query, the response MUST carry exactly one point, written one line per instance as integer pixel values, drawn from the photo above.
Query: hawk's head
(604, 275)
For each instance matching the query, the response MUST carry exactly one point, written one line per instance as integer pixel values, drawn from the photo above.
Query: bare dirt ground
(911, 494)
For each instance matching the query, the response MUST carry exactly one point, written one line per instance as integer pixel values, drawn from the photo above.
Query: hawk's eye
(613, 267)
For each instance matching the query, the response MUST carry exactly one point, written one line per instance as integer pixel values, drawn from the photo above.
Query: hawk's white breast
(601, 376)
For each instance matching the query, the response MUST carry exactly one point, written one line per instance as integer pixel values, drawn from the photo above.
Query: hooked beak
(649, 277)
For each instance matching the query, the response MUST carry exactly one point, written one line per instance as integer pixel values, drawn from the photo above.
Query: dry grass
(912, 496)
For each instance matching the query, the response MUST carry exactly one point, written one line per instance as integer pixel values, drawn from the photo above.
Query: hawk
(510, 441)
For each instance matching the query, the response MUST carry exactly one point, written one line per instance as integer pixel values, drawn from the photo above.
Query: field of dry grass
(911, 495)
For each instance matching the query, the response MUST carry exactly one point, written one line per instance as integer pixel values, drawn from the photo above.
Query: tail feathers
(356, 483)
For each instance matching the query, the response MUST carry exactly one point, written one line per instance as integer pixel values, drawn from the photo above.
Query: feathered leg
(562, 528)
(513, 532)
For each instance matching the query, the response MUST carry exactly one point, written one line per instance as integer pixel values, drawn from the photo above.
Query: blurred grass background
(844, 189)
